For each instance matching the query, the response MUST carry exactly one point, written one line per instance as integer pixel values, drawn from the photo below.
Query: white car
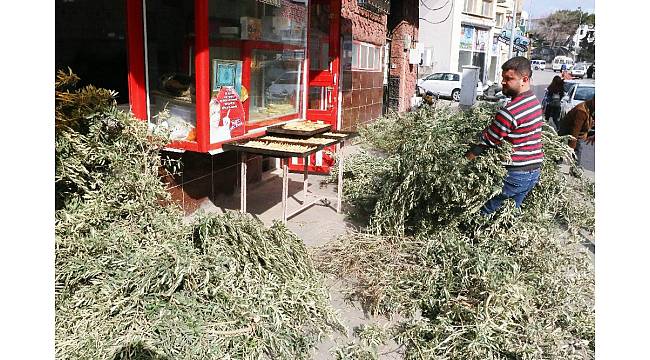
(285, 87)
(446, 84)
(576, 92)
(579, 71)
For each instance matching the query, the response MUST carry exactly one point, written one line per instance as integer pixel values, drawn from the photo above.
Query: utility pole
(512, 29)
(577, 43)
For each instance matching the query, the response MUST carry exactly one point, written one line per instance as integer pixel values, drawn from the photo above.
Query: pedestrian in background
(520, 123)
(577, 123)
(552, 102)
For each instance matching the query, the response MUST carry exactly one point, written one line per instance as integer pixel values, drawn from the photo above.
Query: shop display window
(276, 85)
(271, 37)
(247, 58)
(170, 77)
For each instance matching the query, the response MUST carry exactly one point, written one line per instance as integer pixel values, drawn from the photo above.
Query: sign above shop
(520, 44)
(378, 6)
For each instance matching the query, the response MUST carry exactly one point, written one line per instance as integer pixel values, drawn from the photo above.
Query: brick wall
(362, 91)
(402, 23)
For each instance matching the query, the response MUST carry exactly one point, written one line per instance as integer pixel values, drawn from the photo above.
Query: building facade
(174, 64)
(466, 32)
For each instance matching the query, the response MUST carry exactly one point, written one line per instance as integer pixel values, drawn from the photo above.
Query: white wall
(443, 37)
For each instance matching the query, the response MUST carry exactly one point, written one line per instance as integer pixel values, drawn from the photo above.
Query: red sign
(227, 116)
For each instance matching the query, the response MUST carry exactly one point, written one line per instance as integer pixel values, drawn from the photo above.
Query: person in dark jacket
(552, 102)
(578, 122)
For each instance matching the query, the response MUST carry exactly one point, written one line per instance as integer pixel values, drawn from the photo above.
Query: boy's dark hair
(519, 64)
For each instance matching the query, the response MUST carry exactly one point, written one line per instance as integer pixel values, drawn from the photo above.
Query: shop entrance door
(323, 46)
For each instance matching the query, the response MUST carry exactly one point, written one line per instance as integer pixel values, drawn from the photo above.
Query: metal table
(337, 138)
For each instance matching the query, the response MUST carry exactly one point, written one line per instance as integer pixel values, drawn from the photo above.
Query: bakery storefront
(214, 71)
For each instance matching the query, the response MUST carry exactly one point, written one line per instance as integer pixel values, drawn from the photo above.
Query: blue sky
(540, 8)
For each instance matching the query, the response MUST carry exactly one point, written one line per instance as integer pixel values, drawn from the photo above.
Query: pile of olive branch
(510, 286)
(134, 281)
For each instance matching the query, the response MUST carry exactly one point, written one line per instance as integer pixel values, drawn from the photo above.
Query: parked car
(538, 64)
(558, 61)
(284, 87)
(579, 71)
(446, 84)
(576, 92)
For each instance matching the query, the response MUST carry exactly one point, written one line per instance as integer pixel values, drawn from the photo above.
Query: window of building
(473, 47)
(486, 9)
(170, 74)
(499, 20)
(257, 48)
(478, 7)
(366, 56)
(272, 39)
(470, 6)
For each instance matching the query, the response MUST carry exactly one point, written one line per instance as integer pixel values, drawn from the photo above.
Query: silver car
(576, 93)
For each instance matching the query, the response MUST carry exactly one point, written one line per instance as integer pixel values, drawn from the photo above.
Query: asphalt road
(541, 80)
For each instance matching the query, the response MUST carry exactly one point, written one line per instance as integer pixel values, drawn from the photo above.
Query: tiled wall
(203, 177)
(363, 102)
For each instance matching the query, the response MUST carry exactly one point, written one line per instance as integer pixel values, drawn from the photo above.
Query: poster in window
(481, 40)
(227, 73)
(466, 37)
(227, 116)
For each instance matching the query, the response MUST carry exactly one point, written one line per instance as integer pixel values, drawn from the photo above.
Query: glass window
(499, 20)
(170, 73)
(275, 85)
(487, 8)
(464, 58)
(364, 57)
(436, 76)
(456, 77)
(355, 56)
(377, 64)
(584, 93)
(272, 35)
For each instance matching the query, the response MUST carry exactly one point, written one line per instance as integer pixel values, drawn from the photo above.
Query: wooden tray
(241, 146)
(301, 140)
(339, 135)
(284, 130)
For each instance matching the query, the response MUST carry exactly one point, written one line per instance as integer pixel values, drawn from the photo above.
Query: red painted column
(202, 66)
(135, 48)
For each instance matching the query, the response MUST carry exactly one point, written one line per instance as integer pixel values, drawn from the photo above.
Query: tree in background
(587, 49)
(559, 26)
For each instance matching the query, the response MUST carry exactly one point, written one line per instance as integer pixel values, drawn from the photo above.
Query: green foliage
(133, 280)
(562, 24)
(513, 285)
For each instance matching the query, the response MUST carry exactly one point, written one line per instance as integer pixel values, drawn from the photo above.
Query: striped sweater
(520, 123)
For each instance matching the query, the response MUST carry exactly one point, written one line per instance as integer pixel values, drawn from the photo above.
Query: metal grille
(378, 6)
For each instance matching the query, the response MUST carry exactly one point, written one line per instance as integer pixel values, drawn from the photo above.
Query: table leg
(339, 192)
(243, 168)
(285, 189)
(305, 176)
